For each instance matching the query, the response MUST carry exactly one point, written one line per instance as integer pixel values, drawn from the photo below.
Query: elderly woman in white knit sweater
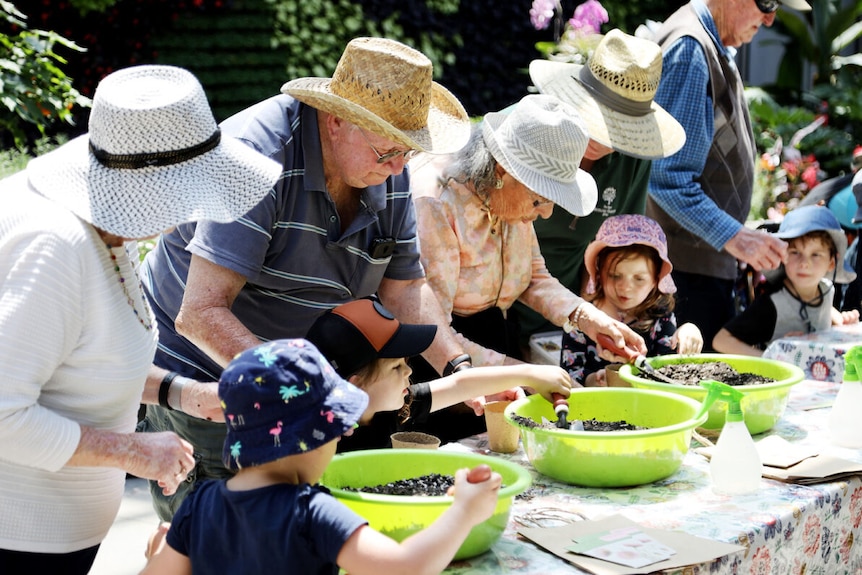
(76, 335)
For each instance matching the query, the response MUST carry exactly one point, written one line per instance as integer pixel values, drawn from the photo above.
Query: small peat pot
(609, 458)
(399, 516)
(763, 404)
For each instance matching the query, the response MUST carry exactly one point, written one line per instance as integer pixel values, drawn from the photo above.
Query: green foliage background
(244, 50)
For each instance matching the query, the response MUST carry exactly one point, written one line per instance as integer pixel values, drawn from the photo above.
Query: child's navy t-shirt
(277, 529)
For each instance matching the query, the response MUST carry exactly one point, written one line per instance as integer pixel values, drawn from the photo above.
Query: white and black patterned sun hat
(540, 141)
(153, 158)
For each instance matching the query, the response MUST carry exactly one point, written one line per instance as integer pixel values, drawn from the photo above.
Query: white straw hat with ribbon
(614, 94)
(540, 142)
(153, 158)
(386, 88)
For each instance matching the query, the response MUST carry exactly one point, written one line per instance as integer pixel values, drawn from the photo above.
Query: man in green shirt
(614, 94)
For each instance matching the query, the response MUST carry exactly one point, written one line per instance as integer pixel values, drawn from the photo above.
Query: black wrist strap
(457, 364)
(165, 387)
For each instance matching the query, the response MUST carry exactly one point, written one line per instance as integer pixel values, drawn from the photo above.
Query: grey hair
(474, 164)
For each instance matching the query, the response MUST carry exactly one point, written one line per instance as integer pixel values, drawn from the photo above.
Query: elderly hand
(757, 248)
(163, 456)
(200, 399)
(478, 403)
(511, 394)
(593, 321)
(687, 339)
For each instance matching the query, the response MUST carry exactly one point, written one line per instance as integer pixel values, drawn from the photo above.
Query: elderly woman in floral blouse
(475, 214)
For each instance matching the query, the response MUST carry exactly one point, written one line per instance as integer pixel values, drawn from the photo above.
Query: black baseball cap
(354, 334)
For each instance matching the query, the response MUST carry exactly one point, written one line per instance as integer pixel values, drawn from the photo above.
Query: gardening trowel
(634, 358)
(561, 408)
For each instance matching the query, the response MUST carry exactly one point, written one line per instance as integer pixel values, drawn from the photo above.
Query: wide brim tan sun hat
(162, 160)
(614, 95)
(386, 88)
(540, 142)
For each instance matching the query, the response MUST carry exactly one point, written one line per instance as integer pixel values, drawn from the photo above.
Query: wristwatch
(463, 361)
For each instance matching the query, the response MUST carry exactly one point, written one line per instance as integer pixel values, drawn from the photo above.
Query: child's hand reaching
(844, 317)
(687, 339)
(476, 491)
(546, 380)
(597, 379)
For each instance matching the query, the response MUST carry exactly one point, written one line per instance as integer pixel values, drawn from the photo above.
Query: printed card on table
(627, 546)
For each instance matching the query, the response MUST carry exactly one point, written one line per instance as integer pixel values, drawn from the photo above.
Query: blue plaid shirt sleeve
(673, 182)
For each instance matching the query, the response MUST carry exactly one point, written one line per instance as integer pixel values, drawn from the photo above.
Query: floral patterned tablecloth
(786, 528)
(821, 354)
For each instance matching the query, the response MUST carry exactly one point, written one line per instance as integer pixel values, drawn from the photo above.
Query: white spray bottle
(735, 465)
(845, 419)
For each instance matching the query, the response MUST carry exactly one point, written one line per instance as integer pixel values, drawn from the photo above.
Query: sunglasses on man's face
(767, 6)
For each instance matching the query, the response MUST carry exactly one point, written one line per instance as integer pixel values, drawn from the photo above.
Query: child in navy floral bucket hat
(285, 408)
(283, 398)
(630, 280)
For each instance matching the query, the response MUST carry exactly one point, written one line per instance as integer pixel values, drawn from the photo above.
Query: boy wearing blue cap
(285, 409)
(800, 293)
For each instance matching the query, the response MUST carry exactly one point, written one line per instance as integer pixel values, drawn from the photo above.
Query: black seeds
(693, 373)
(427, 485)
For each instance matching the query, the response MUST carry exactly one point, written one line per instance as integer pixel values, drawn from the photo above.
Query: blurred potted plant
(792, 142)
(819, 37)
(575, 40)
(34, 90)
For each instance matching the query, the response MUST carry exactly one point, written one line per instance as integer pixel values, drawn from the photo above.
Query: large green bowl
(612, 458)
(762, 406)
(401, 516)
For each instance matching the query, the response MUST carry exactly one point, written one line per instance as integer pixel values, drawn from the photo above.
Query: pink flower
(811, 536)
(809, 175)
(856, 507)
(761, 563)
(541, 13)
(589, 17)
(845, 540)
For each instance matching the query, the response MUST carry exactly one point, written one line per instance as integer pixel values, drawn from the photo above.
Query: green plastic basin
(401, 516)
(762, 406)
(613, 458)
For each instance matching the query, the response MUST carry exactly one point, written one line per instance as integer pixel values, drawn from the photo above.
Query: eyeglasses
(768, 6)
(383, 158)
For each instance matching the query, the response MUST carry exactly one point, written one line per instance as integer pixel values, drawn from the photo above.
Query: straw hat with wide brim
(386, 88)
(614, 94)
(540, 142)
(153, 158)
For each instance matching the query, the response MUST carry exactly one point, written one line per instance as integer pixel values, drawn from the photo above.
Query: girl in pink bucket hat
(629, 279)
